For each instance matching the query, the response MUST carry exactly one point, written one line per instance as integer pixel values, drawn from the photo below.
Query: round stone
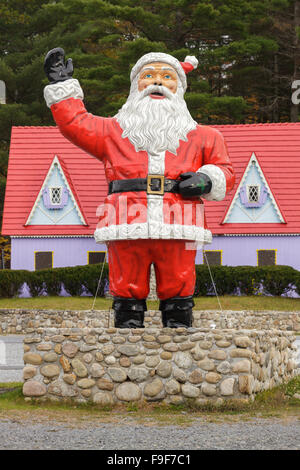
(209, 389)
(128, 391)
(103, 399)
(166, 355)
(99, 356)
(44, 347)
(32, 388)
(171, 347)
(179, 375)
(110, 360)
(32, 358)
(65, 364)
(226, 386)
(125, 362)
(206, 364)
(118, 340)
(79, 368)
(50, 370)
(152, 361)
(246, 384)
(69, 349)
(153, 388)
(224, 367)
(139, 359)
(69, 378)
(183, 360)
(29, 372)
(88, 358)
(164, 339)
(190, 391)
(138, 374)
(86, 383)
(61, 389)
(172, 387)
(105, 384)
(196, 377)
(128, 350)
(117, 374)
(50, 357)
(218, 354)
(242, 366)
(96, 370)
(242, 341)
(107, 349)
(213, 377)
(164, 369)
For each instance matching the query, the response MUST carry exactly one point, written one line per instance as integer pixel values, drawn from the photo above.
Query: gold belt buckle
(160, 191)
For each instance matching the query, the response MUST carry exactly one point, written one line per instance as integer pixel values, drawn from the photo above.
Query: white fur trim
(158, 231)
(56, 92)
(191, 59)
(218, 190)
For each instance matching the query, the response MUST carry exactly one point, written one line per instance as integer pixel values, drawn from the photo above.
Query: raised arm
(64, 97)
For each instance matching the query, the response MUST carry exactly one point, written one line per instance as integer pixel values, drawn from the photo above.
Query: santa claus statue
(159, 165)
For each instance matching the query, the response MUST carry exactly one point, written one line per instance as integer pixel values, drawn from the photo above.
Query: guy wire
(212, 280)
(100, 278)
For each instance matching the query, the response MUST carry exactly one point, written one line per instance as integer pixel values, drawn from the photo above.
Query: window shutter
(96, 257)
(43, 260)
(266, 257)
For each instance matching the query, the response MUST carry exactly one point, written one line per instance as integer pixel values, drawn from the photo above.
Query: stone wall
(21, 321)
(110, 365)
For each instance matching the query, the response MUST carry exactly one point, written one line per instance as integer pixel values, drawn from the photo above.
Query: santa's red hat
(182, 68)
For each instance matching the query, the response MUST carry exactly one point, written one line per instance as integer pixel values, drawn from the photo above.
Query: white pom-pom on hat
(191, 59)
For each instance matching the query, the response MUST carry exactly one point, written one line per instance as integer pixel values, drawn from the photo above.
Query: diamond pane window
(55, 195)
(253, 193)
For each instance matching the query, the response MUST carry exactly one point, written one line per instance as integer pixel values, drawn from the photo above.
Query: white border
(55, 161)
(253, 159)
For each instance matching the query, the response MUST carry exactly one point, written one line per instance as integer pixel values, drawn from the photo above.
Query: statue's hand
(55, 67)
(194, 184)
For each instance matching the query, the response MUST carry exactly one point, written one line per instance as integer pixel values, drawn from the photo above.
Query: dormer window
(55, 195)
(253, 193)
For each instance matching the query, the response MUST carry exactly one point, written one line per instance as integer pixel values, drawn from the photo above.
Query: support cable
(212, 280)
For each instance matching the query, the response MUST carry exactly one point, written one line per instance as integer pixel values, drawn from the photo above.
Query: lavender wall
(235, 250)
(66, 251)
(242, 250)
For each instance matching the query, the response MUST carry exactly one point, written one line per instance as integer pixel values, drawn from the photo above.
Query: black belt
(153, 184)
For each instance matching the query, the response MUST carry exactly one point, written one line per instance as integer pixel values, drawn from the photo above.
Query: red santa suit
(142, 228)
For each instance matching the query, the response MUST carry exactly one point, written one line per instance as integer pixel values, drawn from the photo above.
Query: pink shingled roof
(32, 150)
(276, 146)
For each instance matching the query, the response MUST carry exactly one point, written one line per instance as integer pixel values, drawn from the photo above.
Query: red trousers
(130, 262)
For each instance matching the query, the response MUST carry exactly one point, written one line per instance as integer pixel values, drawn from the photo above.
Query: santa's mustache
(156, 89)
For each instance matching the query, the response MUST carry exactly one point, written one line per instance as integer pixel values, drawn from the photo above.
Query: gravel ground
(255, 434)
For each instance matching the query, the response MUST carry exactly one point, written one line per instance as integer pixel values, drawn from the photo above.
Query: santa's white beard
(155, 125)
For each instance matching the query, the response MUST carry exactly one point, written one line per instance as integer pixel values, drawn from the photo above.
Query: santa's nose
(157, 83)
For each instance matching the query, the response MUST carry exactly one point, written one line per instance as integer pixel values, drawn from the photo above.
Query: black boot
(129, 313)
(177, 312)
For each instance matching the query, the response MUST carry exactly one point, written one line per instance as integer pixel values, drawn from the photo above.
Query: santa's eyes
(167, 76)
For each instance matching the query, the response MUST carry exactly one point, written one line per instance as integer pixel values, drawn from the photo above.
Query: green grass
(202, 303)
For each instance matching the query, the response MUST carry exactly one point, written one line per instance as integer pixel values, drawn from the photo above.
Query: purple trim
(262, 197)
(47, 202)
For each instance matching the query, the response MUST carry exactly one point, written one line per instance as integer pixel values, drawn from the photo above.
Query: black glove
(194, 184)
(55, 67)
